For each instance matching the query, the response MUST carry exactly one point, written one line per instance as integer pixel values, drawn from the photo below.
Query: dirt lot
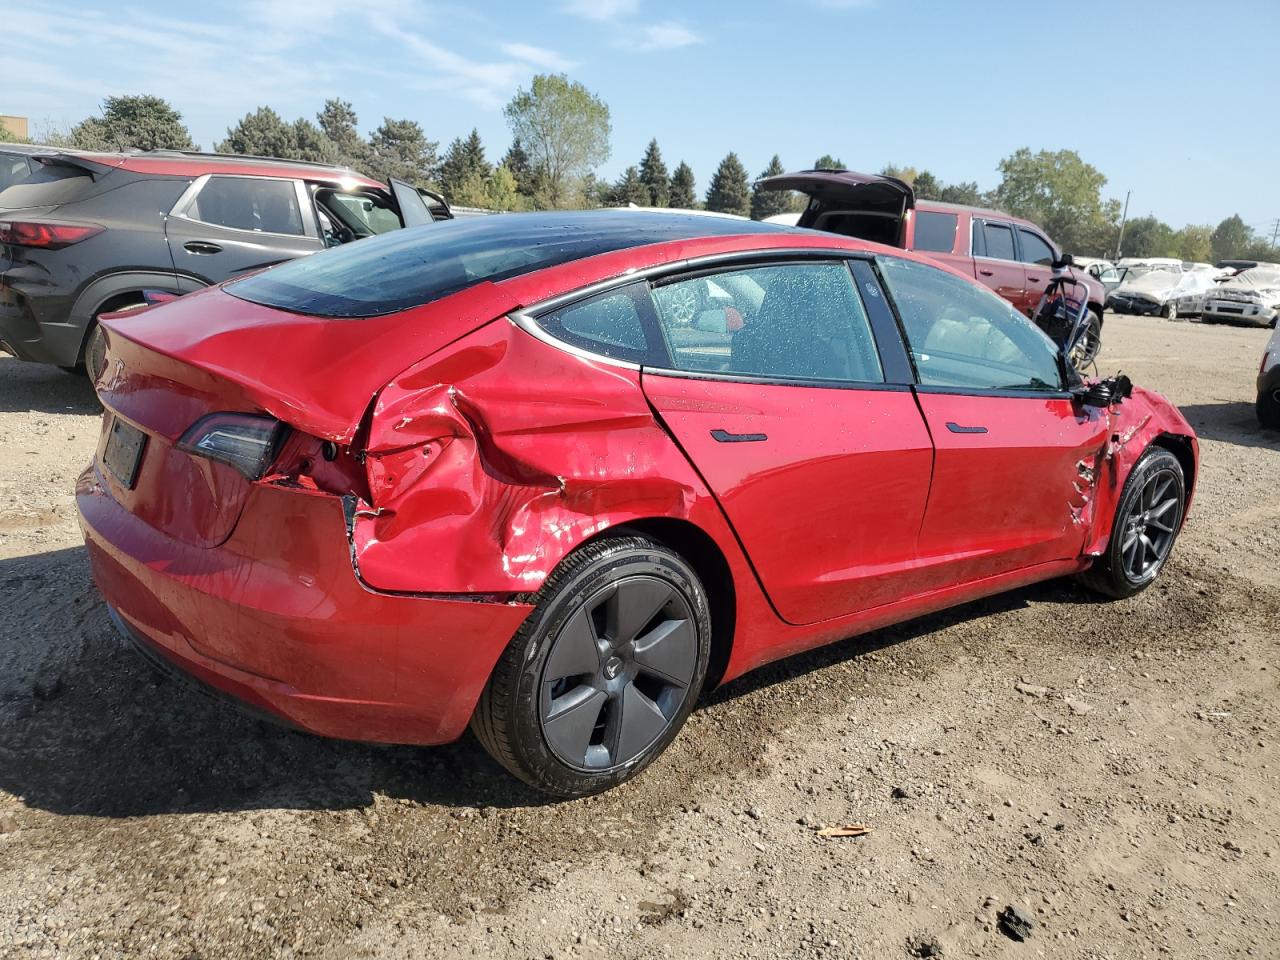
(1109, 768)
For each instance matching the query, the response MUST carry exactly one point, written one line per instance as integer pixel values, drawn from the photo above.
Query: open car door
(412, 204)
(864, 205)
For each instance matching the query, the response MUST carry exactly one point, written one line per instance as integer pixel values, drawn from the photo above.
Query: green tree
(629, 188)
(906, 174)
(1230, 239)
(132, 122)
(504, 190)
(684, 189)
(654, 176)
(1149, 237)
(729, 191)
(1195, 243)
(828, 162)
(338, 121)
(399, 148)
(261, 133)
(463, 161)
(926, 186)
(1060, 192)
(517, 163)
(965, 192)
(769, 203)
(565, 128)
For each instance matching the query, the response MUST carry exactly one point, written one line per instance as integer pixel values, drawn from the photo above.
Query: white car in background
(1251, 296)
(1165, 291)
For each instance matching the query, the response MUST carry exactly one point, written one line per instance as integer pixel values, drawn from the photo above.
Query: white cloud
(601, 9)
(668, 35)
(538, 56)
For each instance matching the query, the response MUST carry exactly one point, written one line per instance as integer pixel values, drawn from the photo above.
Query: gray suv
(87, 234)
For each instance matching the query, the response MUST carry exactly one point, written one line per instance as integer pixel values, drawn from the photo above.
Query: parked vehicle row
(1013, 257)
(87, 234)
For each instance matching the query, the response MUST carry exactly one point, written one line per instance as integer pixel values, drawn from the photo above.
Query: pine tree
(463, 161)
(630, 188)
(653, 174)
(828, 162)
(400, 149)
(517, 162)
(769, 203)
(729, 191)
(683, 192)
(338, 121)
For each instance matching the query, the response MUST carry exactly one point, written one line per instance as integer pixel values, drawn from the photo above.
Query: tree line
(560, 136)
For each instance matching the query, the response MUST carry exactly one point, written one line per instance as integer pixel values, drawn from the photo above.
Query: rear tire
(1146, 525)
(602, 675)
(1086, 351)
(95, 353)
(1171, 311)
(1268, 409)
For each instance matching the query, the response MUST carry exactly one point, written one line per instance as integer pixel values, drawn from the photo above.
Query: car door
(223, 226)
(1037, 255)
(790, 394)
(1015, 454)
(995, 255)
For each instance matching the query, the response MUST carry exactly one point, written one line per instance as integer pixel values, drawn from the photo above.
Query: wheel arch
(116, 290)
(1180, 446)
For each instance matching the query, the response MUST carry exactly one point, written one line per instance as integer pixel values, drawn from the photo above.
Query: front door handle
(958, 428)
(724, 436)
(202, 247)
(987, 273)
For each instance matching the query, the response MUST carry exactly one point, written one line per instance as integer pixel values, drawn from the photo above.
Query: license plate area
(123, 453)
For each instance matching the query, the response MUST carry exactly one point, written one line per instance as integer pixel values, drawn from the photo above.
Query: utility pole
(1123, 217)
(1275, 231)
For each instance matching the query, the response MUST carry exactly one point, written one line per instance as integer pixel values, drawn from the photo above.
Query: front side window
(935, 232)
(800, 321)
(249, 203)
(999, 240)
(963, 335)
(1034, 248)
(607, 324)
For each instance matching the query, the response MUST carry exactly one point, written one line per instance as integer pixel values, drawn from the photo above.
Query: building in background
(16, 126)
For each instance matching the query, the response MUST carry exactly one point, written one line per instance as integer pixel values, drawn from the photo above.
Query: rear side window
(936, 232)
(999, 241)
(49, 185)
(609, 324)
(249, 203)
(12, 170)
(1034, 248)
(788, 321)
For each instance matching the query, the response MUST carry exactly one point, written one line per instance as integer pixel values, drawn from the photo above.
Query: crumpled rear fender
(491, 460)
(1141, 420)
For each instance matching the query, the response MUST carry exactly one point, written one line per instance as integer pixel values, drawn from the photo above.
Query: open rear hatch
(863, 205)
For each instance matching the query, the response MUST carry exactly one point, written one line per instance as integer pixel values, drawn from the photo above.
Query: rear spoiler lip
(95, 168)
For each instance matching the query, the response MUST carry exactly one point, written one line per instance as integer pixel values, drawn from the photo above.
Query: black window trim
(1030, 393)
(1013, 231)
(660, 363)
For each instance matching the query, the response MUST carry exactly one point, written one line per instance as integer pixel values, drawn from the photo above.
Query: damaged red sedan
(551, 475)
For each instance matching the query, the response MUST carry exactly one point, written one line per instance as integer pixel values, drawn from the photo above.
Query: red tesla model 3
(552, 475)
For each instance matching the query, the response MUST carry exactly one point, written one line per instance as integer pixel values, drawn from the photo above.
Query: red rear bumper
(276, 617)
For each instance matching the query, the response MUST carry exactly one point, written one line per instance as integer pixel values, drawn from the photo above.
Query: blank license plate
(123, 455)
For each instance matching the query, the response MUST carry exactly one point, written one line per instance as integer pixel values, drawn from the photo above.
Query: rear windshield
(50, 184)
(407, 268)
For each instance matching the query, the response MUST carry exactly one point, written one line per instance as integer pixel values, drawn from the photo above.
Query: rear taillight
(47, 236)
(243, 441)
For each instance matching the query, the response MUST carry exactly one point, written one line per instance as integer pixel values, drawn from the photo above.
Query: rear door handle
(724, 436)
(987, 273)
(958, 428)
(202, 247)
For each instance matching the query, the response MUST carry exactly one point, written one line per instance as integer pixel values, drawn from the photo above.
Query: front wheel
(603, 674)
(1171, 311)
(1086, 349)
(1145, 527)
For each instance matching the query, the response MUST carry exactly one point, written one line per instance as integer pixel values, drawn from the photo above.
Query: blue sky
(1173, 100)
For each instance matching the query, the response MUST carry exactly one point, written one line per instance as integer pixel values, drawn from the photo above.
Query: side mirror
(1066, 260)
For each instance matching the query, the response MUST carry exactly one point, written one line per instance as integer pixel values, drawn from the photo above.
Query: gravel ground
(1110, 769)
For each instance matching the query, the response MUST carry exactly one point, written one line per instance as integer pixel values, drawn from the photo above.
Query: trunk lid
(169, 366)
(864, 205)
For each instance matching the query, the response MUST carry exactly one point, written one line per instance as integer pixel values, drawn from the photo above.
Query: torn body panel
(489, 462)
(1136, 423)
